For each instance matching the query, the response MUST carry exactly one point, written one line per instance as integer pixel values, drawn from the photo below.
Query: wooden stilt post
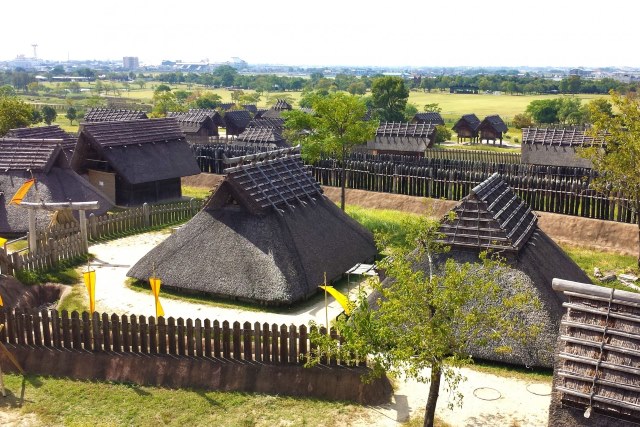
(33, 242)
(83, 230)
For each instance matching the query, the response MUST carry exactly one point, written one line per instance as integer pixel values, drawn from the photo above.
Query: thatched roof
(493, 122)
(216, 117)
(46, 132)
(428, 117)
(468, 121)
(111, 115)
(492, 216)
(598, 357)
(264, 122)
(193, 121)
(573, 136)
(403, 137)
(262, 136)
(236, 121)
(138, 150)
(23, 159)
(413, 130)
(282, 105)
(266, 235)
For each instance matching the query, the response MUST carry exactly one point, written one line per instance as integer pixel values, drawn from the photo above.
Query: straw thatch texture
(598, 358)
(559, 136)
(428, 117)
(112, 115)
(467, 123)
(47, 132)
(267, 235)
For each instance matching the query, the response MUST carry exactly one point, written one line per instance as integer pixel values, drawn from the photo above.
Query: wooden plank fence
(101, 332)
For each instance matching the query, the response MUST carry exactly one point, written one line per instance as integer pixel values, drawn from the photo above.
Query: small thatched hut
(492, 128)
(236, 121)
(55, 181)
(47, 132)
(428, 117)
(596, 379)
(556, 145)
(270, 138)
(403, 138)
(112, 115)
(197, 125)
(493, 218)
(266, 235)
(265, 122)
(135, 161)
(467, 128)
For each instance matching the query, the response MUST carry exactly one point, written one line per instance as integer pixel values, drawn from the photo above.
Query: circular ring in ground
(487, 393)
(539, 389)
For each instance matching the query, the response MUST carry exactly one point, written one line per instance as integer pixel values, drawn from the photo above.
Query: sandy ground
(514, 401)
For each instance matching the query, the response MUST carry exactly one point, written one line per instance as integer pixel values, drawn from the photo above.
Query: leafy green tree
(49, 114)
(181, 95)
(207, 100)
(72, 114)
(336, 126)
(7, 90)
(14, 113)
(226, 75)
(570, 111)
(98, 87)
(410, 110)
(428, 317)
(522, 120)
(618, 162)
(141, 83)
(544, 110)
(162, 88)
(390, 97)
(599, 104)
(33, 87)
(163, 102)
(433, 107)
(250, 98)
(36, 116)
(236, 95)
(443, 134)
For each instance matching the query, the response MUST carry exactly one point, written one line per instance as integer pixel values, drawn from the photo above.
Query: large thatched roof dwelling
(596, 379)
(23, 159)
(410, 139)
(47, 132)
(266, 235)
(493, 218)
(197, 125)
(428, 117)
(556, 145)
(135, 161)
(112, 115)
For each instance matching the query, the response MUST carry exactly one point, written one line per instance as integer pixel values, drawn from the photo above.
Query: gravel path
(489, 400)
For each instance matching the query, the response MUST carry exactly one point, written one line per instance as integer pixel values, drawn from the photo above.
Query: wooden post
(146, 215)
(83, 230)
(33, 243)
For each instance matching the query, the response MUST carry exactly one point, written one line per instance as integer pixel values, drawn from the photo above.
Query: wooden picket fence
(473, 155)
(272, 344)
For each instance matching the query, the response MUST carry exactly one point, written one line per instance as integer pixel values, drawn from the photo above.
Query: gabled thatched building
(236, 121)
(112, 115)
(596, 379)
(265, 137)
(135, 161)
(403, 138)
(556, 145)
(47, 132)
(428, 117)
(55, 181)
(493, 218)
(266, 235)
(467, 128)
(197, 125)
(492, 128)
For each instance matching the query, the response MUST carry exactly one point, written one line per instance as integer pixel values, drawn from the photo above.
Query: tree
(410, 110)
(522, 120)
(428, 317)
(14, 113)
(433, 107)
(140, 83)
(49, 114)
(598, 104)
(544, 110)
(236, 95)
(163, 102)
(618, 161)
(336, 126)
(443, 134)
(36, 116)
(207, 100)
(162, 88)
(226, 75)
(390, 97)
(72, 113)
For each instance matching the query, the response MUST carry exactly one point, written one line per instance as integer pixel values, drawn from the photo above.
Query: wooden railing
(274, 344)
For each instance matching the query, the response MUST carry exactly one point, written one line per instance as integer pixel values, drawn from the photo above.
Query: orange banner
(155, 288)
(22, 191)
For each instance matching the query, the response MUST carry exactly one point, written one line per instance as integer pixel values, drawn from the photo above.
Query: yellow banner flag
(2, 241)
(22, 191)
(1, 302)
(341, 298)
(90, 283)
(155, 288)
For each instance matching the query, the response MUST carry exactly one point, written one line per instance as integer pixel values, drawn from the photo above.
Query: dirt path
(514, 404)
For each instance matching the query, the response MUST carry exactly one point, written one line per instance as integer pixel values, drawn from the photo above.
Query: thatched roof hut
(467, 127)
(135, 161)
(236, 121)
(556, 145)
(492, 128)
(23, 159)
(403, 138)
(215, 116)
(112, 115)
(47, 132)
(596, 378)
(428, 117)
(265, 122)
(493, 218)
(270, 138)
(197, 125)
(266, 235)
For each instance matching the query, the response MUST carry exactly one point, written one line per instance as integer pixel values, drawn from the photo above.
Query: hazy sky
(330, 32)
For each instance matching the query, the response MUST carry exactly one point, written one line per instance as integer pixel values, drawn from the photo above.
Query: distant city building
(130, 62)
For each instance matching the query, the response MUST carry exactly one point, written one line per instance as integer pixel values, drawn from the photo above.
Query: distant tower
(34, 50)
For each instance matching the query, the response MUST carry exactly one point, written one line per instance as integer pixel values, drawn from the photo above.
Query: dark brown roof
(559, 136)
(193, 120)
(265, 122)
(492, 216)
(598, 353)
(428, 117)
(282, 105)
(45, 132)
(494, 122)
(238, 119)
(469, 120)
(215, 115)
(263, 136)
(414, 130)
(37, 155)
(252, 108)
(138, 150)
(110, 115)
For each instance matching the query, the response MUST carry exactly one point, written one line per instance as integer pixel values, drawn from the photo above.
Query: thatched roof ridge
(492, 216)
(214, 114)
(266, 122)
(282, 105)
(138, 150)
(494, 122)
(237, 118)
(111, 115)
(270, 137)
(559, 136)
(36, 155)
(598, 355)
(428, 117)
(468, 120)
(45, 132)
(193, 120)
(413, 130)
(266, 235)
